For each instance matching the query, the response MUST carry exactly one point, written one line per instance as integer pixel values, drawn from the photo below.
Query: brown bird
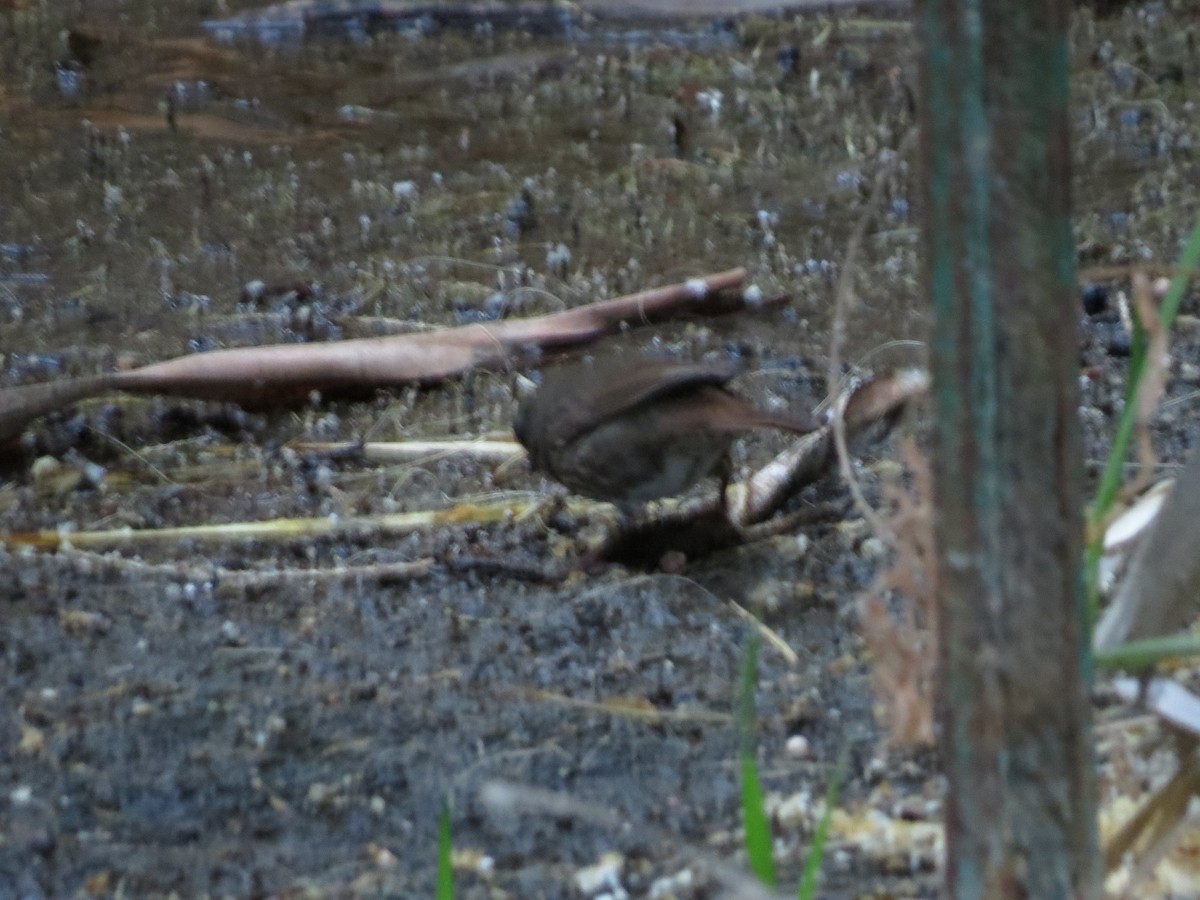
(633, 431)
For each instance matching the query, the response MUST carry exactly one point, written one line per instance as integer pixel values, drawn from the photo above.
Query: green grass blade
(758, 829)
(1136, 655)
(754, 814)
(445, 876)
(816, 853)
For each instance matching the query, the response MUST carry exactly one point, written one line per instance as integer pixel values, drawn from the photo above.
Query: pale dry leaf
(898, 613)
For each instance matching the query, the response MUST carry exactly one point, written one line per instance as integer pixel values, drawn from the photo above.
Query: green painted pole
(999, 264)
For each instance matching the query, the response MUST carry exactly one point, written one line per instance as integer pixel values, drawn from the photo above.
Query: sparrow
(633, 431)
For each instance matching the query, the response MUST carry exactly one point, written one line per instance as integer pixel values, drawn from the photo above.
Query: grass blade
(445, 876)
(754, 814)
(816, 853)
(1135, 655)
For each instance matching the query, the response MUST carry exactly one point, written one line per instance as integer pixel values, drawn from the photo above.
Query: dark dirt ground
(170, 729)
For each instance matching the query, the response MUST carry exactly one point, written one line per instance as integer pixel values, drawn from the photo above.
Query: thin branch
(844, 300)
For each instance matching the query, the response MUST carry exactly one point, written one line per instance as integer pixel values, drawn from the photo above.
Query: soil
(282, 716)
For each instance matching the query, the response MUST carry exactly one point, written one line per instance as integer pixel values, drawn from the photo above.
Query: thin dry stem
(636, 708)
(769, 635)
(483, 451)
(844, 300)
(1146, 298)
(248, 578)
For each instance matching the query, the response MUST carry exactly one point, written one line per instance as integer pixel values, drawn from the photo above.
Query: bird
(629, 432)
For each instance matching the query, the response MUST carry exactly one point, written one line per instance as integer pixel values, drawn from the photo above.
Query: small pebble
(604, 875)
(41, 842)
(384, 858)
(319, 793)
(873, 548)
(795, 811)
(1095, 299)
(798, 746)
(1119, 344)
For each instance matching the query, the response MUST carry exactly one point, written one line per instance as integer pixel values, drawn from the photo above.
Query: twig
(860, 411)
(1156, 817)
(485, 452)
(275, 529)
(624, 707)
(1148, 860)
(844, 299)
(1146, 297)
(247, 578)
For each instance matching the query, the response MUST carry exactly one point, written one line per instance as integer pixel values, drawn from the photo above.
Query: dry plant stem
(844, 299)
(1148, 860)
(508, 798)
(1147, 298)
(1125, 724)
(279, 529)
(805, 460)
(247, 578)
(809, 457)
(1158, 815)
(768, 634)
(805, 517)
(289, 373)
(485, 452)
(626, 708)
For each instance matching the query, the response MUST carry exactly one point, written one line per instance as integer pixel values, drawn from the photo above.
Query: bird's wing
(616, 386)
